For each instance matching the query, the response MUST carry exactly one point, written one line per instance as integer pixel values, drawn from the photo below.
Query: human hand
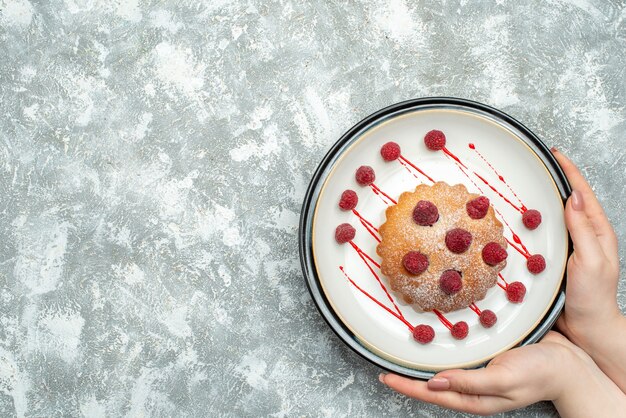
(591, 309)
(553, 369)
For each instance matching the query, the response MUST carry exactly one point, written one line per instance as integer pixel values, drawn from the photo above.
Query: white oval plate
(508, 150)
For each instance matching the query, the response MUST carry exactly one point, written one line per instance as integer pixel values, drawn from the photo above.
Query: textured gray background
(153, 160)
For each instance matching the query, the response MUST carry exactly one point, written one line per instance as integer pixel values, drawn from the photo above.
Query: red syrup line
(520, 210)
(366, 257)
(368, 225)
(377, 301)
(519, 250)
(379, 195)
(454, 157)
(407, 168)
(516, 237)
(473, 147)
(360, 251)
(470, 179)
(503, 286)
(475, 308)
(461, 165)
(403, 160)
(443, 319)
(379, 192)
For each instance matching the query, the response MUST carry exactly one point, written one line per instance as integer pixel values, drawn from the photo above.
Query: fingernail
(553, 149)
(577, 200)
(438, 383)
(381, 378)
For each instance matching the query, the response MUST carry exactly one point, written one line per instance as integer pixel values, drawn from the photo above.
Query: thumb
(581, 230)
(486, 381)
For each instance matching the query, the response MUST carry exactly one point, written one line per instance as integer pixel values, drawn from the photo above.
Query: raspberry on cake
(477, 208)
(458, 240)
(425, 213)
(450, 282)
(493, 253)
(415, 262)
(433, 221)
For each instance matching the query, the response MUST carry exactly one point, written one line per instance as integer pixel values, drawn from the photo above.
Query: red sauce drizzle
(523, 252)
(454, 157)
(520, 210)
(365, 259)
(523, 207)
(368, 225)
(380, 194)
(461, 165)
(475, 308)
(502, 286)
(404, 161)
(470, 179)
(443, 319)
(405, 165)
(363, 254)
(404, 321)
(516, 237)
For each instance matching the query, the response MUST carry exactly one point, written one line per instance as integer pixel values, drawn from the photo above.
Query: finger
(555, 337)
(586, 242)
(449, 399)
(593, 209)
(491, 380)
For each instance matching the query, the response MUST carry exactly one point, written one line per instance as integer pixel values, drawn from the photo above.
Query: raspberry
(493, 253)
(435, 140)
(425, 213)
(450, 282)
(390, 151)
(348, 200)
(477, 208)
(365, 175)
(344, 233)
(423, 334)
(531, 219)
(515, 292)
(536, 263)
(415, 262)
(488, 318)
(460, 330)
(458, 240)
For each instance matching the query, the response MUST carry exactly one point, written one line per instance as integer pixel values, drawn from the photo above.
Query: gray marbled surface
(153, 160)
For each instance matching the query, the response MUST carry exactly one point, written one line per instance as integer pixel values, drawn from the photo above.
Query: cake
(441, 247)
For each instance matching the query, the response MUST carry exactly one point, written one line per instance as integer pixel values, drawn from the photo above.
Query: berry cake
(442, 247)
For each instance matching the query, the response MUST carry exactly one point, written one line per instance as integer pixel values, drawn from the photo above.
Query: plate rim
(319, 177)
